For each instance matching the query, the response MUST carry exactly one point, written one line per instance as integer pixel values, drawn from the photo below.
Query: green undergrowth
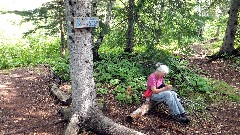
(224, 91)
(34, 51)
(221, 91)
(119, 74)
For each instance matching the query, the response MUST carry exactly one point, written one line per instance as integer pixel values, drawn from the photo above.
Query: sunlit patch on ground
(30, 78)
(6, 91)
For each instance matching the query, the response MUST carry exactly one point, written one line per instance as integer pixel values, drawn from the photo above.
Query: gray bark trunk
(81, 66)
(86, 114)
(102, 123)
(130, 30)
(201, 30)
(159, 30)
(218, 13)
(228, 41)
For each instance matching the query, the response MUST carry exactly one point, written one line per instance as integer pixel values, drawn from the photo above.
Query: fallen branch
(60, 95)
(141, 111)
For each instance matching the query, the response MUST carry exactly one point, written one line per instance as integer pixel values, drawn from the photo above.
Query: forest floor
(26, 102)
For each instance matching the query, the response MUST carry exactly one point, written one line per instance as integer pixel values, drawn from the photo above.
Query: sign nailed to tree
(83, 22)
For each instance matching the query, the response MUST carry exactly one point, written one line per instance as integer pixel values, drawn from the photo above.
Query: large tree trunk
(230, 33)
(228, 42)
(85, 110)
(130, 30)
(160, 21)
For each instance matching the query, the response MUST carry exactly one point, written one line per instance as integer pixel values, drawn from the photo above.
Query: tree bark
(228, 42)
(107, 17)
(86, 114)
(201, 30)
(130, 30)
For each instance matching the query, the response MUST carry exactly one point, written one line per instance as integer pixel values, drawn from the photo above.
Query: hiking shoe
(181, 119)
(187, 120)
(183, 114)
(129, 119)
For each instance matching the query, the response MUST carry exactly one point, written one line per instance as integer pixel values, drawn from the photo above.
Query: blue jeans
(170, 98)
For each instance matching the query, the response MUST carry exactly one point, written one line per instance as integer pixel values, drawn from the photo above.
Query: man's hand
(168, 87)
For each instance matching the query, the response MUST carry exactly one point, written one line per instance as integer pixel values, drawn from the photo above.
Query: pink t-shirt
(154, 81)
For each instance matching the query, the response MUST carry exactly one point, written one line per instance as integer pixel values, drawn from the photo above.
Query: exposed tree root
(222, 55)
(97, 123)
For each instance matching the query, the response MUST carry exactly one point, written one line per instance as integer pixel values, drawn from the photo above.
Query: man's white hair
(162, 68)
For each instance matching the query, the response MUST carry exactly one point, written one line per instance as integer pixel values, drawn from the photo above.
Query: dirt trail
(26, 102)
(224, 70)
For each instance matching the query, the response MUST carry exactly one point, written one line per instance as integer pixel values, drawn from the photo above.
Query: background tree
(228, 42)
(85, 110)
(227, 47)
(130, 28)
